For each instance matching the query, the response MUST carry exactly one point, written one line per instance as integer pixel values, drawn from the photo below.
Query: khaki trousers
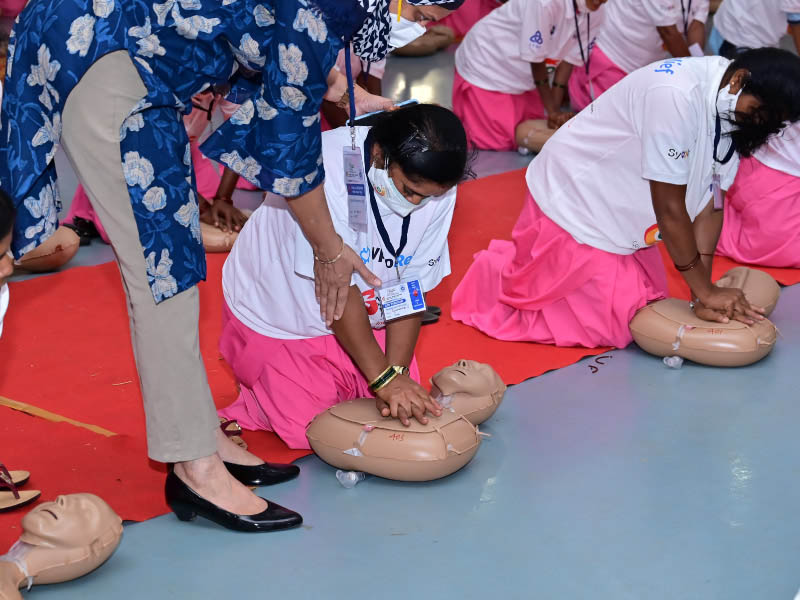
(181, 419)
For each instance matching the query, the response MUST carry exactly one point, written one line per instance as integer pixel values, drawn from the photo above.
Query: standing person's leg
(182, 425)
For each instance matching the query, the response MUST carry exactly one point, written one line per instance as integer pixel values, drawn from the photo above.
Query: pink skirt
(284, 384)
(472, 11)
(546, 287)
(82, 207)
(603, 74)
(491, 118)
(762, 217)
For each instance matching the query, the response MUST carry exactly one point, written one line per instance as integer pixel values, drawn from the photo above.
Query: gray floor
(636, 482)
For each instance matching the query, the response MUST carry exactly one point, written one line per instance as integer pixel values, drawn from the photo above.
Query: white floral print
(291, 62)
(133, 123)
(137, 170)
(309, 121)
(81, 34)
(244, 114)
(162, 282)
(155, 199)
(264, 17)
(265, 111)
(246, 167)
(287, 186)
(311, 176)
(44, 74)
(49, 133)
(148, 42)
(249, 51)
(317, 30)
(192, 26)
(44, 208)
(188, 215)
(10, 53)
(292, 97)
(103, 8)
(162, 10)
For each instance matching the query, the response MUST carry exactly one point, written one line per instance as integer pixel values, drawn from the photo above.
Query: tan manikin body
(355, 437)
(61, 541)
(670, 327)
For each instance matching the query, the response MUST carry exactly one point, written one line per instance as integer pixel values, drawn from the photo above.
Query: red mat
(66, 349)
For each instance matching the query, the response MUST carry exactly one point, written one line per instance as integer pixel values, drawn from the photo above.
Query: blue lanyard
(584, 57)
(717, 138)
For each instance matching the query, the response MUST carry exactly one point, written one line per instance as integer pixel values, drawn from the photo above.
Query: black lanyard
(587, 56)
(687, 15)
(387, 243)
(717, 138)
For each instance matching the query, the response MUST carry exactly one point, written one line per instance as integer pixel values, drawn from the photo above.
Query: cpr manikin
(60, 541)
(670, 327)
(469, 388)
(355, 437)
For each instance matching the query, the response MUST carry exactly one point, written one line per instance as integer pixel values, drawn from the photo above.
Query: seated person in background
(289, 365)
(637, 33)
(743, 24)
(762, 209)
(635, 169)
(501, 81)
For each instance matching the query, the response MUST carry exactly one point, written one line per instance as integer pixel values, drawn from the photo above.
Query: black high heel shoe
(264, 474)
(187, 505)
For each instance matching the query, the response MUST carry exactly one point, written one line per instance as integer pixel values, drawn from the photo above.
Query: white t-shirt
(629, 37)
(268, 279)
(592, 177)
(4, 297)
(782, 152)
(754, 23)
(376, 69)
(497, 52)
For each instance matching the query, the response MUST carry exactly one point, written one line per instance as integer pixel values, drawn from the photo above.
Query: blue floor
(635, 482)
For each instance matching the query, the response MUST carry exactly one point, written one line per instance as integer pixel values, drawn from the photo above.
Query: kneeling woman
(762, 209)
(581, 262)
(290, 366)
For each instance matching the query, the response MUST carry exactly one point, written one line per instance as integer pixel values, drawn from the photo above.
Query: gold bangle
(332, 260)
(387, 376)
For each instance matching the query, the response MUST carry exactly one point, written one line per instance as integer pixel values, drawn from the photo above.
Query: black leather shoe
(266, 474)
(187, 505)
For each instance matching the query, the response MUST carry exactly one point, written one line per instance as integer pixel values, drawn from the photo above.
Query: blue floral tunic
(179, 47)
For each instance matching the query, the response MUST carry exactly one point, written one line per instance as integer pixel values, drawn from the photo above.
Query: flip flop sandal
(14, 498)
(429, 317)
(435, 310)
(233, 430)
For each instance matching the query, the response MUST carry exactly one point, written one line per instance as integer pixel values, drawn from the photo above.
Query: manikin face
(470, 377)
(72, 521)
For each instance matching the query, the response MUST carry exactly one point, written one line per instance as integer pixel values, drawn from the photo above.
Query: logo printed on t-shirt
(678, 154)
(652, 235)
(537, 39)
(668, 65)
(370, 301)
(378, 255)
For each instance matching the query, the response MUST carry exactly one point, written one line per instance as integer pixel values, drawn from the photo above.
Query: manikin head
(468, 377)
(64, 540)
(471, 388)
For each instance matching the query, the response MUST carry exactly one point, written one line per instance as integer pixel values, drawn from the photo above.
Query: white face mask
(387, 192)
(404, 32)
(726, 106)
(4, 295)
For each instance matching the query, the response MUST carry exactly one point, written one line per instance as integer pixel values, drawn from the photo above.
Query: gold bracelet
(332, 260)
(387, 376)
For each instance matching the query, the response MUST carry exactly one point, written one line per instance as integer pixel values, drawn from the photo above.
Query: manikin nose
(463, 364)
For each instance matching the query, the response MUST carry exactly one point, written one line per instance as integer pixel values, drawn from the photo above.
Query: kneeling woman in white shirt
(290, 366)
(634, 170)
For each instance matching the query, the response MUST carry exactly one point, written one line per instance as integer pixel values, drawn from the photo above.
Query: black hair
(7, 214)
(774, 79)
(427, 142)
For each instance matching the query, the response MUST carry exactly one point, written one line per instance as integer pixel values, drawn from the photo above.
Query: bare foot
(209, 478)
(232, 452)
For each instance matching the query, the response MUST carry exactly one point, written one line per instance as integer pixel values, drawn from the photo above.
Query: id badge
(716, 191)
(400, 299)
(356, 184)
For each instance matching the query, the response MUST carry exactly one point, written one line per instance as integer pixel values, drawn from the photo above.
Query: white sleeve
(669, 133)
(663, 13)
(431, 261)
(790, 6)
(700, 10)
(535, 42)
